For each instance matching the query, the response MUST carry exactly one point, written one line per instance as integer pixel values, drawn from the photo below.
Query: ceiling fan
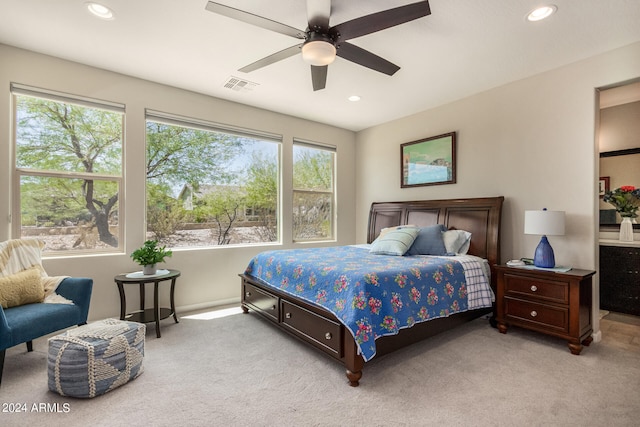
(322, 43)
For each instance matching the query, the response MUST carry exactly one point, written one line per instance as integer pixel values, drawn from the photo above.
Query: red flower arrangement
(626, 200)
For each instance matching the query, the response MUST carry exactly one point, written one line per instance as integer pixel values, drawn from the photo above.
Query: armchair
(24, 284)
(22, 324)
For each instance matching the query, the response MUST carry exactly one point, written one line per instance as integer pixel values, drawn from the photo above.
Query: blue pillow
(395, 242)
(429, 241)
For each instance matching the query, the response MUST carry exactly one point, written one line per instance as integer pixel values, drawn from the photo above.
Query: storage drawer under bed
(320, 332)
(262, 301)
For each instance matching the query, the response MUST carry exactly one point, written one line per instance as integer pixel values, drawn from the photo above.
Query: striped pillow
(395, 242)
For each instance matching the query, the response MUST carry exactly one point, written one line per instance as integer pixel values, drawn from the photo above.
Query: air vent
(239, 85)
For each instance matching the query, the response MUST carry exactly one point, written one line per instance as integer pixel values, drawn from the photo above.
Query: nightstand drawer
(527, 287)
(537, 315)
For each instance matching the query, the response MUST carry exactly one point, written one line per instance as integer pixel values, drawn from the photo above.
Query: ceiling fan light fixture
(318, 52)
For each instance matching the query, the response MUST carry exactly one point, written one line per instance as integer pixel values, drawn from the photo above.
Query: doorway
(619, 262)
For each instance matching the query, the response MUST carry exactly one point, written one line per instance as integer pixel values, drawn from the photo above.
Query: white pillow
(456, 241)
(394, 242)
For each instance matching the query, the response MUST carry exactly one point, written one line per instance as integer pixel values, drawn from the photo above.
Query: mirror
(619, 140)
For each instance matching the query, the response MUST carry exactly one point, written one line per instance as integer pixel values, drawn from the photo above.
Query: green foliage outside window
(203, 187)
(70, 162)
(313, 193)
(214, 178)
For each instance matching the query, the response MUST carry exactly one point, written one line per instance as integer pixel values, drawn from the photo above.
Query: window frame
(333, 192)
(16, 90)
(173, 119)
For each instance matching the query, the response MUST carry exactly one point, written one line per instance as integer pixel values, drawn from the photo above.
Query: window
(209, 185)
(68, 165)
(313, 191)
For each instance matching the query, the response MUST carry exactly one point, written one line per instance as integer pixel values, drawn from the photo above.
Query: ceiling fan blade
(380, 20)
(319, 76)
(365, 58)
(252, 19)
(278, 56)
(318, 12)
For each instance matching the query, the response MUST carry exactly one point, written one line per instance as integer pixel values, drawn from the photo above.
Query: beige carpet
(239, 371)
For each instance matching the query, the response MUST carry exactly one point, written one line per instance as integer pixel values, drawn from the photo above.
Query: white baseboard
(206, 305)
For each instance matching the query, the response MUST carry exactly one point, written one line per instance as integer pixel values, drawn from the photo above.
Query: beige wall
(621, 170)
(620, 127)
(209, 276)
(531, 141)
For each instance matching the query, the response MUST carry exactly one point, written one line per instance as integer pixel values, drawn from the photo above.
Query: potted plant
(149, 255)
(626, 200)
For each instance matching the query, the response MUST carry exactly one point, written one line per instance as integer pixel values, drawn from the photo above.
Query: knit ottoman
(96, 358)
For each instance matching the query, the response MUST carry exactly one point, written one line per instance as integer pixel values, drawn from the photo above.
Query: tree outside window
(69, 170)
(206, 186)
(202, 182)
(313, 192)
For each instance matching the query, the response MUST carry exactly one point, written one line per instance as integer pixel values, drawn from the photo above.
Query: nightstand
(553, 303)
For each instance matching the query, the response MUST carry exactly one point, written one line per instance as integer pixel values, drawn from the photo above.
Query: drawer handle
(534, 288)
(248, 294)
(534, 313)
(273, 307)
(288, 315)
(328, 335)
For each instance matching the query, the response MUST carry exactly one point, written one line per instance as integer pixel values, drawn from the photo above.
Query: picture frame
(603, 185)
(428, 161)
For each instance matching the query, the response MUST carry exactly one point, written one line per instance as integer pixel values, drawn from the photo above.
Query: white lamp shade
(318, 52)
(547, 223)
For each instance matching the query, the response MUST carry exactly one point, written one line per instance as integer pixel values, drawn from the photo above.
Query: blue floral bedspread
(373, 295)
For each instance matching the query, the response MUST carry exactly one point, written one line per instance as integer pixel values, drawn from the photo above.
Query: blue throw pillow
(429, 241)
(395, 242)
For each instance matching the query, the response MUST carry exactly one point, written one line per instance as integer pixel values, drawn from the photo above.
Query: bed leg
(354, 378)
(352, 360)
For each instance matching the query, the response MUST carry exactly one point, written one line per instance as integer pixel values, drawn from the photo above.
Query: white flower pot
(626, 230)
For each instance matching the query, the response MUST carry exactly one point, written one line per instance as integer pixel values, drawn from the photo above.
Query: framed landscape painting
(429, 161)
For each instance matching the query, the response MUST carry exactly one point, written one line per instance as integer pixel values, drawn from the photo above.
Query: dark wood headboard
(480, 216)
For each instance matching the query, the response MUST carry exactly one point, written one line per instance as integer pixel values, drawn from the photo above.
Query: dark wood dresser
(620, 279)
(553, 303)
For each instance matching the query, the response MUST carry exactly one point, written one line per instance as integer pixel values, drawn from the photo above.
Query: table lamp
(546, 223)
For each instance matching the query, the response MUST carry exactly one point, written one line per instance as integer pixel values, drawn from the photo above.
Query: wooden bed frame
(321, 329)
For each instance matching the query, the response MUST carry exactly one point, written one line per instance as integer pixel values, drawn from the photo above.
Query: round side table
(148, 315)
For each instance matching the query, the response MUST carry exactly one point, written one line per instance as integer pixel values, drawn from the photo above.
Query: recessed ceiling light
(99, 10)
(541, 13)
(354, 98)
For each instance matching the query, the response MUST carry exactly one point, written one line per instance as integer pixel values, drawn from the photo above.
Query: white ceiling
(463, 47)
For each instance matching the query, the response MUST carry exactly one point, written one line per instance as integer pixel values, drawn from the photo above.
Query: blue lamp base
(544, 254)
